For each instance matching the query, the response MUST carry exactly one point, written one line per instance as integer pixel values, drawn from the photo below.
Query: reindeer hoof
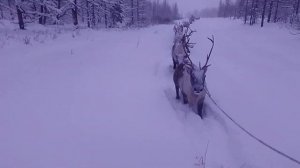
(200, 114)
(177, 97)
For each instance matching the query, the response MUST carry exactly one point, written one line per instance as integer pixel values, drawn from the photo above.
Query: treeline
(92, 13)
(205, 13)
(261, 11)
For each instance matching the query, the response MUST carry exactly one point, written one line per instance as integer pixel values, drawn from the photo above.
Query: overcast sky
(190, 5)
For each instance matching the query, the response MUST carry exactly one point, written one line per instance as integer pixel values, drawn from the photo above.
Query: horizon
(186, 6)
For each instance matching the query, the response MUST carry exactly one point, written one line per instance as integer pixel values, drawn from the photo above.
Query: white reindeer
(181, 44)
(190, 80)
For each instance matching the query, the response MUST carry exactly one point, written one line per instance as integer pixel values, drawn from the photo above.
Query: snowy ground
(95, 99)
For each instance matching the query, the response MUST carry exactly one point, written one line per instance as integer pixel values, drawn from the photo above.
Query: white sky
(190, 5)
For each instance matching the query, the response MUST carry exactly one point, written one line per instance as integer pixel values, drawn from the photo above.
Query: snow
(90, 99)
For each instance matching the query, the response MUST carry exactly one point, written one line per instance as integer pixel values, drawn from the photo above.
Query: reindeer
(178, 53)
(178, 30)
(179, 49)
(190, 80)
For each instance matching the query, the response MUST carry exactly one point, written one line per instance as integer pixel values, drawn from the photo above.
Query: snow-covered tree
(117, 12)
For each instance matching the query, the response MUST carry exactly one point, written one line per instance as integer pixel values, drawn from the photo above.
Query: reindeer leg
(177, 92)
(200, 109)
(185, 100)
(174, 64)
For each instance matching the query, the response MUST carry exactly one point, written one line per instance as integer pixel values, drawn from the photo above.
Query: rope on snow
(249, 133)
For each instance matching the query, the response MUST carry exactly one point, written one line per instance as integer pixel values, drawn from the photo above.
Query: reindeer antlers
(187, 35)
(212, 40)
(186, 43)
(186, 40)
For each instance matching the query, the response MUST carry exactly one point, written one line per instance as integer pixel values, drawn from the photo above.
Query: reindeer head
(179, 32)
(178, 28)
(198, 74)
(197, 80)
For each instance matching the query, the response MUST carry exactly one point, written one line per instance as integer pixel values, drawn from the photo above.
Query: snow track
(107, 99)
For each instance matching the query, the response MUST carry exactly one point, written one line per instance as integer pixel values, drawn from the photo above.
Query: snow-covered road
(106, 99)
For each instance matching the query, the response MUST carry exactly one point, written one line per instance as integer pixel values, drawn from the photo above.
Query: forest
(92, 13)
(262, 11)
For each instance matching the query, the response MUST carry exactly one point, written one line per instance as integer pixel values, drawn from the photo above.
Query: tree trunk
(236, 15)
(44, 17)
(75, 13)
(263, 14)
(252, 13)
(93, 15)
(35, 9)
(270, 11)
(88, 14)
(10, 11)
(20, 18)
(276, 11)
(105, 16)
(137, 12)
(132, 13)
(98, 15)
(41, 17)
(81, 11)
(255, 12)
(58, 7)
(246, 12)
(297, 7)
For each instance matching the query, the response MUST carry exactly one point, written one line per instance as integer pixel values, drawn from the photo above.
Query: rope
(249, 133)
